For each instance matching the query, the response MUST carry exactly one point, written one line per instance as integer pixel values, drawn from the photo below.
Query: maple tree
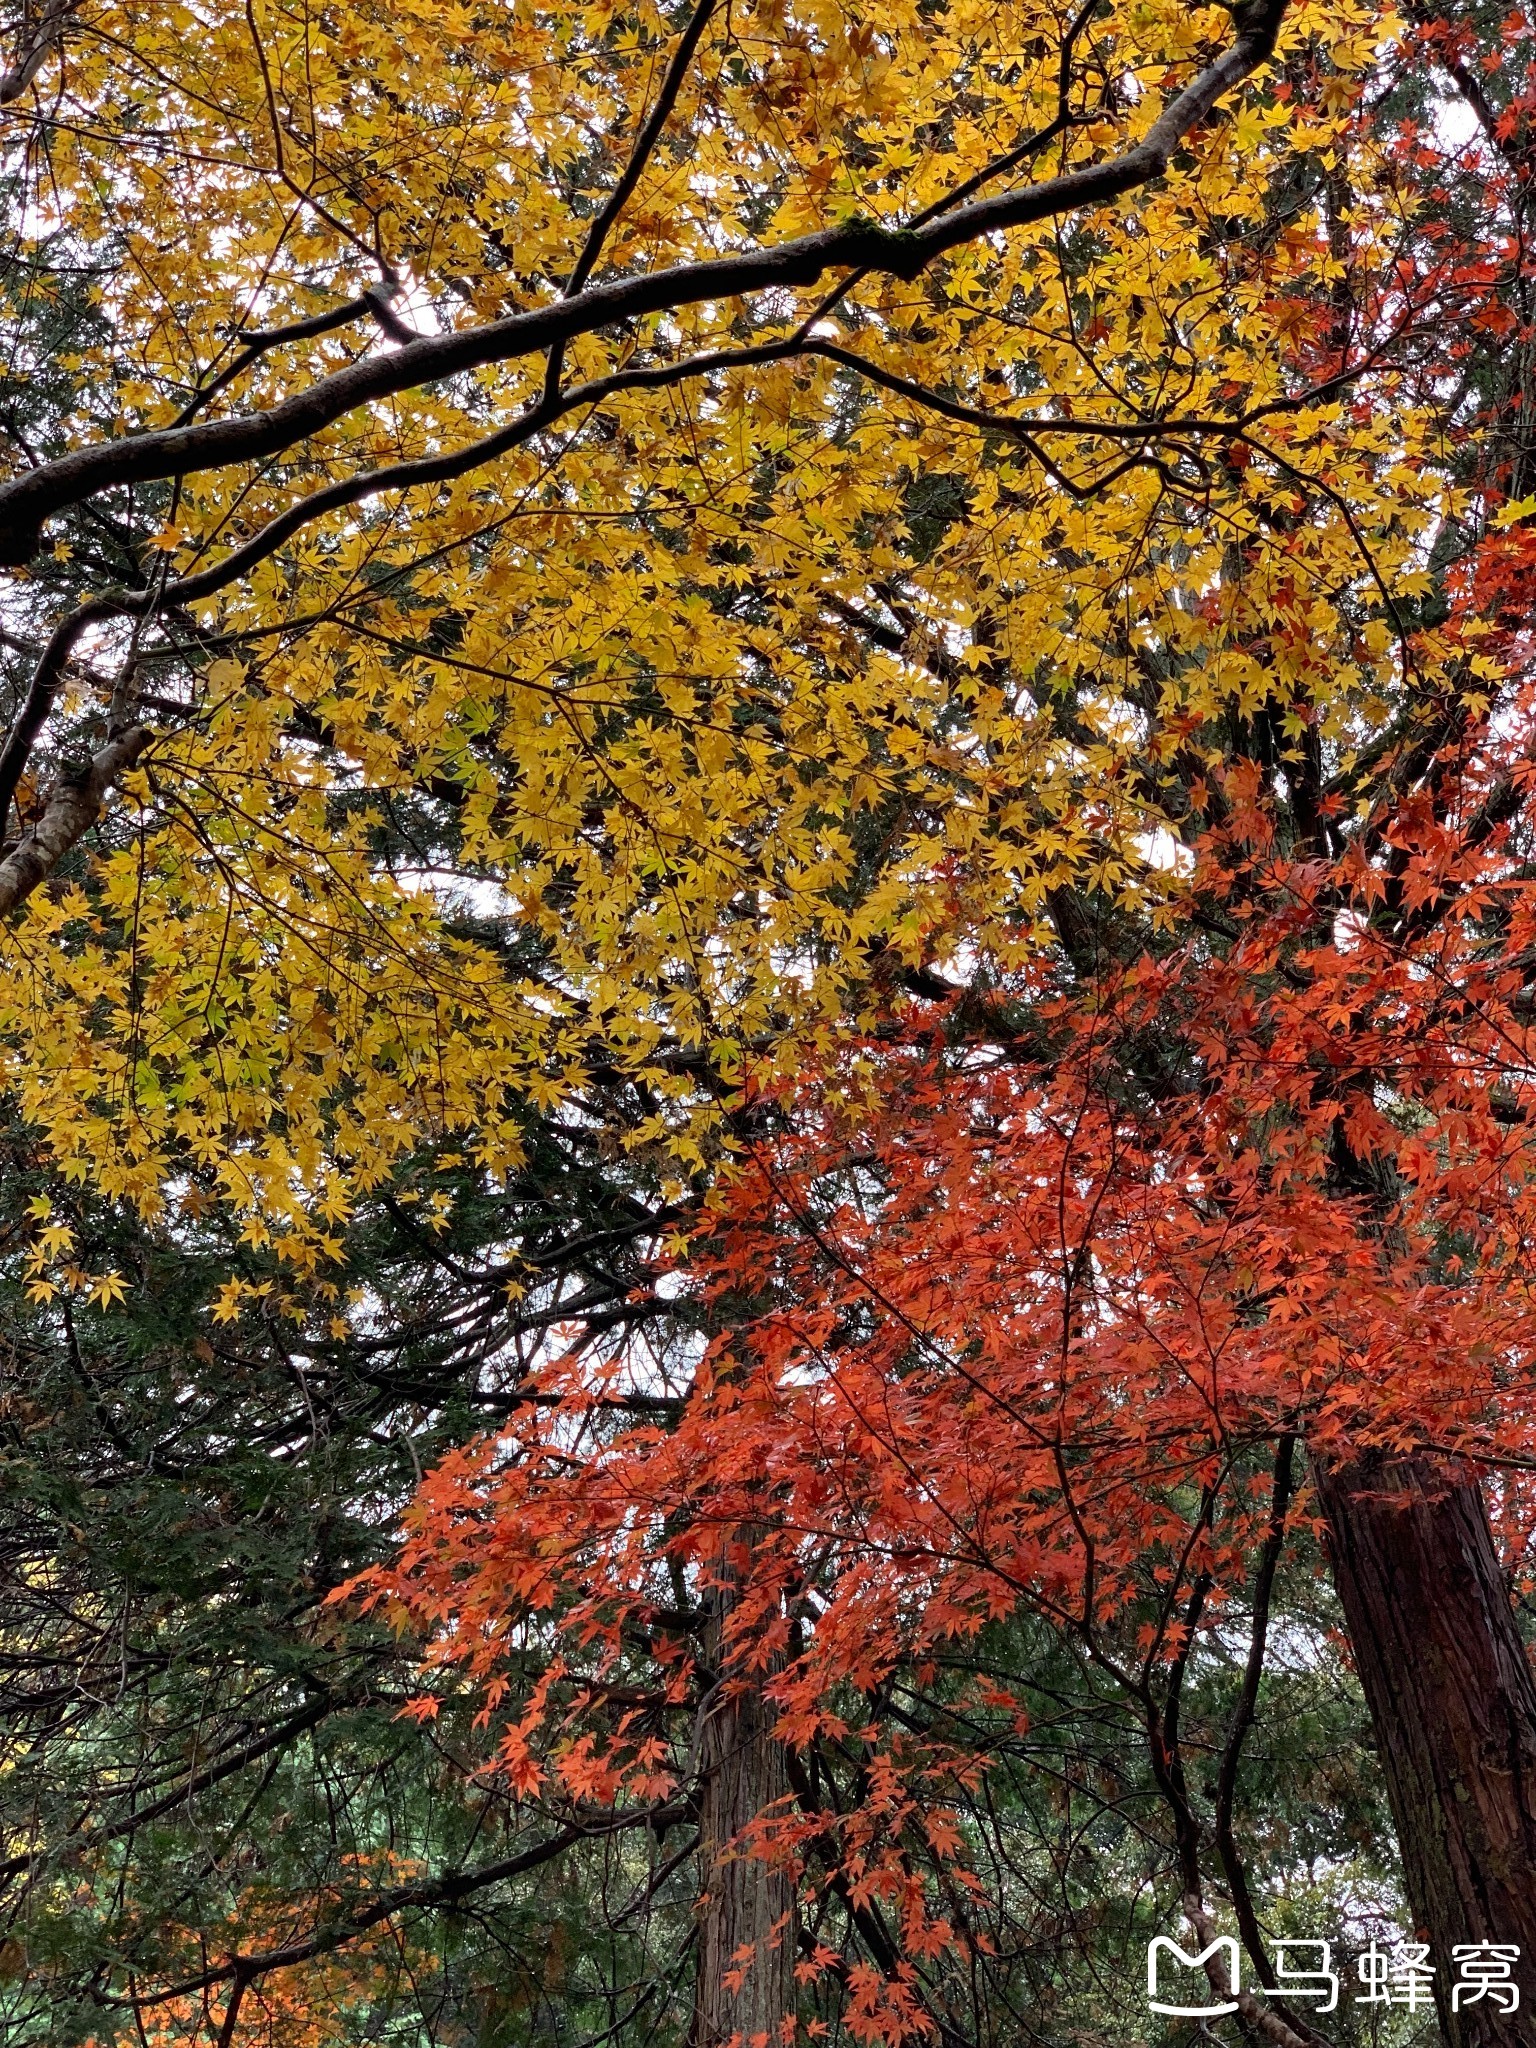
(196, 1749)
(641, 571)
(1038, 1314)
(564, 561)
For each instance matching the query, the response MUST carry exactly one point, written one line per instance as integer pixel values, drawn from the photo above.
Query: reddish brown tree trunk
(1453, 1704)
(746, 1985)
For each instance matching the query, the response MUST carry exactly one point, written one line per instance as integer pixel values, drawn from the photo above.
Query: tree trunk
(1453, 1704)
(746, 1929)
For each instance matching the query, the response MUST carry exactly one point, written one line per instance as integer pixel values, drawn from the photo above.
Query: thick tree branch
(40, 39)
(1264, 2019)
(69, 814)
(1237, 1734)
(374, 303)
(41, 690)
(457, 462)
(437, 469)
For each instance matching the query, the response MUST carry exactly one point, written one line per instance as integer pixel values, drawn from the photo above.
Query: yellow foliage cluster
(645, 742)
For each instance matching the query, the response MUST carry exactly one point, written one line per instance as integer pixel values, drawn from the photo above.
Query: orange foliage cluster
(1022, 1321)
(304, 1994)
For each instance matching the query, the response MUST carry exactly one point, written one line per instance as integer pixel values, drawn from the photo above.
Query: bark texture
(68, 815)
(1453, 1704)
(745, 1983)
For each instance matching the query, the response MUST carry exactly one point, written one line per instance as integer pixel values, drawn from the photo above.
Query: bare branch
(441, 1891)
(224, 1766)
(645, 143)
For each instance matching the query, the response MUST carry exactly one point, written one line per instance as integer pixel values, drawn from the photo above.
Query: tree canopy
(561, 541)
(765, 856)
